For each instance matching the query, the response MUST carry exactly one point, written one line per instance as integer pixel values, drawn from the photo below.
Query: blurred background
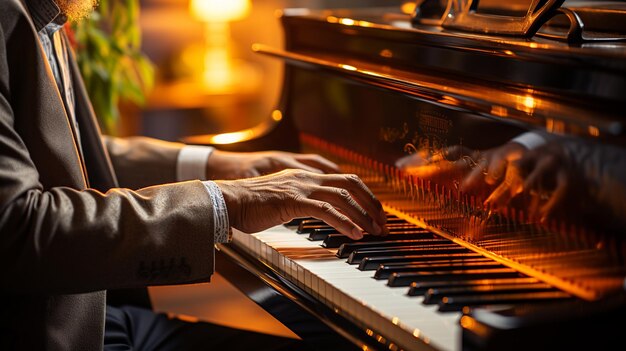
(207, 79)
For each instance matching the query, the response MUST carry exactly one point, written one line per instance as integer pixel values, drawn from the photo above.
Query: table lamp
(221, 73)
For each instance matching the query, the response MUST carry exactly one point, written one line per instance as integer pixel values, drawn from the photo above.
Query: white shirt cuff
(191, 162)
(529, 140)
(222, 230)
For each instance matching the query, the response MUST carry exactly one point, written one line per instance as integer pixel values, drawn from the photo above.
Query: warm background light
(219, 10)
(408, 7)
(221, 72)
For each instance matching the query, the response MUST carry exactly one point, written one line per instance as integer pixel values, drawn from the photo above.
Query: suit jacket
(68, 232)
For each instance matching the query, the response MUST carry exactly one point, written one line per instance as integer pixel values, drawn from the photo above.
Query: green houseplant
(108, 50)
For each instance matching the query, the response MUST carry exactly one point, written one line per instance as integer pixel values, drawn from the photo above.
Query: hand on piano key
(237, 165)
(341, 200)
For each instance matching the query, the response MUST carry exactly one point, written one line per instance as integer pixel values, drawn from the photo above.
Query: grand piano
(378, 89)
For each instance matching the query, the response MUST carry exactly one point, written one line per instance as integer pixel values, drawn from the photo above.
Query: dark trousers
(139, 329)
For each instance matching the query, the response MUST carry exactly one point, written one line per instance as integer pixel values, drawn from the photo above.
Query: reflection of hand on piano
(341, 200)
(541, 175)
(236, 165)
(502, 173)
(469, 170)
(568, 176)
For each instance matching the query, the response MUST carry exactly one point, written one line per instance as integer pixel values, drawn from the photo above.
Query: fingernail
(357, 234)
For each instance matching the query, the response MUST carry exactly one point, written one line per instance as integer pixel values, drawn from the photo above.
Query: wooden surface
(216, 302)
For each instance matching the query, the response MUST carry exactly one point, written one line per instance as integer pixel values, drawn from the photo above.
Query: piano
(370, 87)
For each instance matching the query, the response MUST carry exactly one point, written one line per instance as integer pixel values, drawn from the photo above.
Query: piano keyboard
(407, 289)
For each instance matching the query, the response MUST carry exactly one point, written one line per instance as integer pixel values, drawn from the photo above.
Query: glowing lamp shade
(222, 73)
(219, 10)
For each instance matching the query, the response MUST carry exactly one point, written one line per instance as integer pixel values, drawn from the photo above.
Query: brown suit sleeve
(141, 161)
(59, 239)
(67, 241)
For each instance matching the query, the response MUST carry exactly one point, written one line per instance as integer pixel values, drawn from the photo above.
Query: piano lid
(540, 80)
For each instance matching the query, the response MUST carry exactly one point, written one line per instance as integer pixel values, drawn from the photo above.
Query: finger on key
(360, 192)
(327, 213)
(342, 200)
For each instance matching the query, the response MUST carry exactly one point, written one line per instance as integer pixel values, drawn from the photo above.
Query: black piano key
(420, 288)
(357, 255)
(384, 271)
(347, 247)
(450, 261)
(296, 222)
(334, 241)
(435, 295)
(309, 225)
(307, 228)
(321, 234)
(405, 279)
(456, 303)
(372, 263)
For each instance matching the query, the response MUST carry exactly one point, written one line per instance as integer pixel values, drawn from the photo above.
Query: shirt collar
(44, 12)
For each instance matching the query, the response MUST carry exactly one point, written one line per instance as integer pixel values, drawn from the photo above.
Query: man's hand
(237, 165)
(341, 200)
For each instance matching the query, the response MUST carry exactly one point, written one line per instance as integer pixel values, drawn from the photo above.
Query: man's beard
(76, 9)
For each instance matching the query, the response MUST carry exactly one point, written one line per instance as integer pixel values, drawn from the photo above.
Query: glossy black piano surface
(390, 96)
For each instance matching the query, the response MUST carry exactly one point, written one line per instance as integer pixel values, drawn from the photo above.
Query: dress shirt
(530, 140)
(192, 160)
(191, 164)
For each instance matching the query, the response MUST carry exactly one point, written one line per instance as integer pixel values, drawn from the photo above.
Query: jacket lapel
(96, 167)
(98, 164)
(61, 152)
